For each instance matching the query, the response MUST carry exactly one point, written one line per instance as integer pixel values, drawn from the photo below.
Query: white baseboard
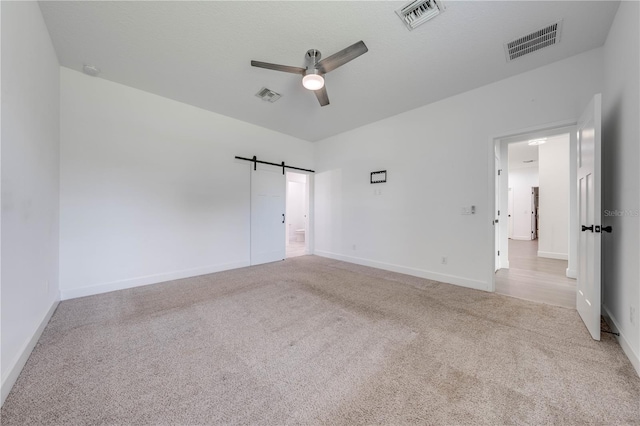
(571, 273)
(624, 343)
(73, 293)
(14, 370)
(552, 255)
(450, 279)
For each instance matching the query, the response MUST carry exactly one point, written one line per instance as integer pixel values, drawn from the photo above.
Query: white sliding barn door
(589, 214)
(267, 214)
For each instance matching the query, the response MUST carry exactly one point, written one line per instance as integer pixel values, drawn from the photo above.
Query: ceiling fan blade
(276, 67)
(342, 57)
(322, 96)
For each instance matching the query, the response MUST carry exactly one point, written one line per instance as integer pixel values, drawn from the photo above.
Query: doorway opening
(536, 244)
(297, 215)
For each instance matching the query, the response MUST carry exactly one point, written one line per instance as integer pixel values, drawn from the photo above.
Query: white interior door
(268, 186)
(589, 214)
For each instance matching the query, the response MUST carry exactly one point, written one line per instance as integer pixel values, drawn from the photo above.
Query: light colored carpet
(316, 341)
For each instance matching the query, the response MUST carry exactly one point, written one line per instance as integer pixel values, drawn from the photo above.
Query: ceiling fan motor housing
(312, 58)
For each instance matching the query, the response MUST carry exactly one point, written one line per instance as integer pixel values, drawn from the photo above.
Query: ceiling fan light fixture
(313, 81)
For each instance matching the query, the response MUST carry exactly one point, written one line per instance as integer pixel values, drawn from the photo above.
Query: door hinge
(499, 172)
(498, 212)
(498, 252)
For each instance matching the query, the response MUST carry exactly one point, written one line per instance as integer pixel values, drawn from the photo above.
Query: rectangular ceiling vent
(268, 95)
(418, 12)
(547, 36)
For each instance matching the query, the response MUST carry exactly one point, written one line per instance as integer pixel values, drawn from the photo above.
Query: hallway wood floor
(535, 278)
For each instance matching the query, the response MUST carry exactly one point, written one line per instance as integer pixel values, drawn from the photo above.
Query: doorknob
(282, 217)
(608, 229)
(585, 228)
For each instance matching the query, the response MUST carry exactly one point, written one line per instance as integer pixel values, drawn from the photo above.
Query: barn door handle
(282, 217)
(587, 228)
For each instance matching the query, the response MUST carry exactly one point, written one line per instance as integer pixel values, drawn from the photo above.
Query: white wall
(437, 158)
(30, 183)
(621, 178)
(150, 189)
(553, 169)
(521, 180)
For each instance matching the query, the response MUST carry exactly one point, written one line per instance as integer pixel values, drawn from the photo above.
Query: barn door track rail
(255, 162)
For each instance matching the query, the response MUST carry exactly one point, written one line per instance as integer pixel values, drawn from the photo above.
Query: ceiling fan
(313, 73)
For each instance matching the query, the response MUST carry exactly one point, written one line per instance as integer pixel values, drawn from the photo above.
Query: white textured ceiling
(520, 152)
(199, 52)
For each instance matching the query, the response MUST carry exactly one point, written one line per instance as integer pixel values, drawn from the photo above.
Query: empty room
(295, 212)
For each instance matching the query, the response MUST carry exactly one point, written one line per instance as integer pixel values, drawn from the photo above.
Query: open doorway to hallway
(297, 213)
(535, 278)
(538, 195)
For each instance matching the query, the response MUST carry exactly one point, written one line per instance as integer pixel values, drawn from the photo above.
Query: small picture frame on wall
(379, 176)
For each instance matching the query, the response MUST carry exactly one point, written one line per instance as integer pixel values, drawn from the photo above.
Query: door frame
(308, 229)
(535, 224)
(500, 143)
(498, 230)
(509, 212)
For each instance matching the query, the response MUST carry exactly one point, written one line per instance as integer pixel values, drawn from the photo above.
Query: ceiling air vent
(268, 95)
(418, 12)
(547, 36)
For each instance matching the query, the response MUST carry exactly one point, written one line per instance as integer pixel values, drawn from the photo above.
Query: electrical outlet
(632, 314)
(444, 260)
(353, 247)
